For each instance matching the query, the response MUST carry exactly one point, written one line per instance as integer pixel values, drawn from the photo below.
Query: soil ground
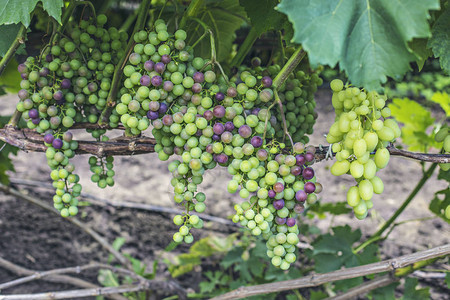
(39, 240)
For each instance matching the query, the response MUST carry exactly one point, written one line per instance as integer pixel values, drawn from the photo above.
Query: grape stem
(283, 117)
(110, 100)
(291, 64)
(378, 235)
(192, 11)
(246, 46)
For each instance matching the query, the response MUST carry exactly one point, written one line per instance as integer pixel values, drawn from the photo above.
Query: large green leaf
(10, 79)
(411, 291)
(223, 18)
(440, 41)
(18, 11)
(8, 34)
(369, 39)
(262, 14)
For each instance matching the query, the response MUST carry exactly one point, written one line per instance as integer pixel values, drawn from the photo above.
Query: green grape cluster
(70, 82)
(102, 169)
(359, 135)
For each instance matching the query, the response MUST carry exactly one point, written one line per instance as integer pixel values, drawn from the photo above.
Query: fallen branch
(21, 271)
(318, 279)
(29, 140)
(123, 204)
(102, 241)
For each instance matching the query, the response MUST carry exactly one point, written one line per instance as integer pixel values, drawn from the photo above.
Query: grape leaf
(438, 205)
(420, 51)
(447, 279)
(10, 78)
(223, 18)
(369, 39)
(444, 100)
(18, 11)
(411, 291)
(8, 34)
(440, 42)
(385, 292)
(262, 14)
(417, 119)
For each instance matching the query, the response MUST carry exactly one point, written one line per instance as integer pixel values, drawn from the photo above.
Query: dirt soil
(36, 239)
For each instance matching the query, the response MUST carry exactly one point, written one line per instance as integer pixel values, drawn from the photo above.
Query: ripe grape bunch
(359, 137)
(69, 82)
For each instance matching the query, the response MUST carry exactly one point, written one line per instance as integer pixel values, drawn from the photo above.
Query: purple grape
(272, 194)
(67, 136)
(58, 95)
(255, 111)
(278, 187)
(290, 222)
(229, 126)
(156, 80)
(208, 115)
(154, 105)
(149, 65)
(167, 120)
(220, 96)
(299, 208)
(226, 137)
(145, 80)
(310, 187)
(196, 88)
(300, 159)
(168, 86)
(262, 154)
(23, 94)
(280, 221)
(219, 111)
(256, 141)
(198, 77)
(22, 68)
(245, 131)
(216, 137)
(231, 92)
(160, 67)
(24, 76)
(165, 59)
(44, 72)
(36, 121)
(222, 158)
(163, 108)
(48, 138)
(61, 102)
(49, 58)
(309, 157)
(209, 149)
(266, 81)
(55, 121)
(57, 143)
(152, 115)
(301, 196)
(296, 170)
(33, 113)
(308, 173)
(278, 204)
(218, 128)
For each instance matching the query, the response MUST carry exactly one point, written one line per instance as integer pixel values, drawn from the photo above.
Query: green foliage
(223, 18)
(443, 99)
(411, 291)
(420, 51)
(368, 39)
(333, 251)
(18, 11)
(8, 34)
(10, 78)
(5, 161)
(440, 42)
(336, 208)
(262, 15)
(384, 293)
(201, 249)
(417, 120)
(441, 198)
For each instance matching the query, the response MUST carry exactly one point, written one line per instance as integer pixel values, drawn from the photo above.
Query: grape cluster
(69, 82)
(278, 187)
(102, 169)
(359, 135)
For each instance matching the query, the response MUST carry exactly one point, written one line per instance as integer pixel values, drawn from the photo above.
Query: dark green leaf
(420, 50)
(337, 208)
(53, 8)
(412, 292)
(440, 41)
(262, 14)
(384, 293)
(8, 34)
(232, 257)
(223, 18)
(447, 279)
(10, 78)
(444, 175)
(368, 38)
(440, 202)
(18, 11)
(317, 295)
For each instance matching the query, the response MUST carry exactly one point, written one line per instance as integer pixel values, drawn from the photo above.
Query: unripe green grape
(340, 167)
(365, 189)
(381, 158)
